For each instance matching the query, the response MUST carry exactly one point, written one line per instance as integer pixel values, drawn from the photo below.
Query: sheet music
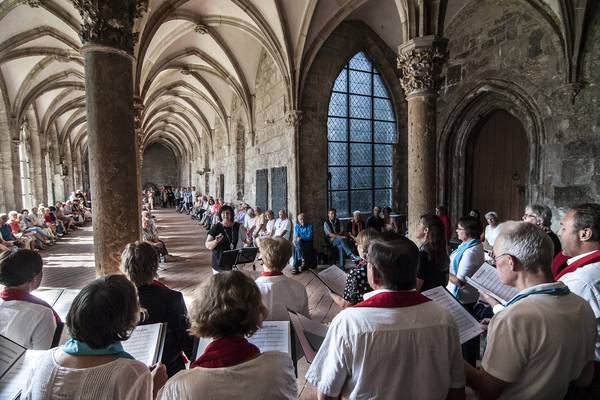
(144, 343)
(273, 336)
(9, 353)
(468, 327)
(334, 278)
(486, 279)
(50, 296)
(63, 304)
(15, 379)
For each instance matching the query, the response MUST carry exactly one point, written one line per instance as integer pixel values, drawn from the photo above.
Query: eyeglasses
(529, 216)
(494, 258)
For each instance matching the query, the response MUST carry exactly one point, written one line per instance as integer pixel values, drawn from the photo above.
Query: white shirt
(540, 344)
(249, 223)
(389, 353)
(31, 325)
(121, 379)
(470, 262)
(268, 376)
(585, 282)
(491, 234)
(283, 225)
(279, 293)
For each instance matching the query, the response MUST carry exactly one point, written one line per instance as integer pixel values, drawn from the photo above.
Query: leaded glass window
(361, 132)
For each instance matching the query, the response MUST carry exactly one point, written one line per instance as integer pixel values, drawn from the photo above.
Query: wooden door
(499, 169)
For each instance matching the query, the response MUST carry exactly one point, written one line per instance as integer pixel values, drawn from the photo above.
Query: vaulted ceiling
(195, 58)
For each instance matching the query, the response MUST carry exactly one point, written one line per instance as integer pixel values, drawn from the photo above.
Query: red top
(14, 225)
(446, 221)
(271, 273)
(226, 352)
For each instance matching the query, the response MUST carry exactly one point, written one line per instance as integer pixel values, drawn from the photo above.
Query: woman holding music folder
(139, 262)
(228, 307)
(93, 365)
(356, 282)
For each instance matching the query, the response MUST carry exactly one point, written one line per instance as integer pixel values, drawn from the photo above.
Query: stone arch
(349, 38)
(463, 121)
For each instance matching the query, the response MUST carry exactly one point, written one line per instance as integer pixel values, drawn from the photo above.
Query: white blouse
(31, 325)
(121, 379)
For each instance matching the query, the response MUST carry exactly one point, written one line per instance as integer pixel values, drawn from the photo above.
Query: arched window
(361, 131)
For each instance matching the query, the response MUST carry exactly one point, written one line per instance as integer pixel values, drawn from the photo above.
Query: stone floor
(70, 264)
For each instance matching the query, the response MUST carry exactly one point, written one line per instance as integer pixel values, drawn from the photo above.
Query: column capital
(420, 60)
(110, 22)
(293, 118)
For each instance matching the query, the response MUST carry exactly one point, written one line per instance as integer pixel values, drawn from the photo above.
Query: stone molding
(88, 48)
(110, 22)
(420, 61)
(293, 118)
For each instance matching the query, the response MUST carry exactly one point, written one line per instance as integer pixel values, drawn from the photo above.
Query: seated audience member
(375, 221)
(150, 235)
(304, 252)
(26, 225)
(580, 237)
(433, 254)
(9, 237)
(265, 229)
(396, 344)
(442, 214)
(389, 222)
(250, 225)
(491, 229)
(24, 318)
(336, 237)
(283, 226)
(228, 308)
(464, 262)
(223, 236)
(357, 283)
(355, 225)
(278, 291)
(544, 338)
(93, 364)
(139, 263)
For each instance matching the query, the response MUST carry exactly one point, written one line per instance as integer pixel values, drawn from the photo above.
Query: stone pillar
(293, 118)
(420, 62)
(138, 108)
(108, 39)
(16, 175)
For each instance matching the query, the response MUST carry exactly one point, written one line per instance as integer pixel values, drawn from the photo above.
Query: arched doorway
(498, 166)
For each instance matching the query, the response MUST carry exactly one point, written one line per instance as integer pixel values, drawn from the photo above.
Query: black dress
(357, 283)
(166, 305)
(430, 273)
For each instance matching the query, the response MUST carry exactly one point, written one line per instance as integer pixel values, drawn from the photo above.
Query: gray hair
(547, 217)
(491, 214)
(529, 244)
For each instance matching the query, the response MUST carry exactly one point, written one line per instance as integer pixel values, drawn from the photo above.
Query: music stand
(230, 259)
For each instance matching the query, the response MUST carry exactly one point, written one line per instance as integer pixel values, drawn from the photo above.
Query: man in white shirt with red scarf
(580, 239)
(396, 343)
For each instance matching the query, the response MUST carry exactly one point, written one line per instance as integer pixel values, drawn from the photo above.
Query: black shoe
(296, 272)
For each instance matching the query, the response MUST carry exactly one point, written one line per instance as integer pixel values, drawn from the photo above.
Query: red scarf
(394, 300)
(9, 294)
(226, 352)
(271, 273)
(559, 263)
(582, 262)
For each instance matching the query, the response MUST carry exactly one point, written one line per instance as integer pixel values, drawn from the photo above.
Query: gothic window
(361, 132)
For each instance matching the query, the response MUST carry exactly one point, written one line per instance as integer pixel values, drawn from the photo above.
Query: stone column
(16, 174)
(420, 62)
(138, 108)
(108, 39)
(293, 118)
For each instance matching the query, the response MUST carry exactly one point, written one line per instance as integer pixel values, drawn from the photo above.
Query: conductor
(223, 236)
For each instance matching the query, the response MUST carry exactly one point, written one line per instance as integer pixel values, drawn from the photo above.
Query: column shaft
(113, 156)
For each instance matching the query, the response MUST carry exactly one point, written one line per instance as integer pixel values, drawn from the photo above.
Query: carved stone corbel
(293, 118)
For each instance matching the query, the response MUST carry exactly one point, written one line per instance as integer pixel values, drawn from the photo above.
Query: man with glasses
(580, 237)
(544, 338)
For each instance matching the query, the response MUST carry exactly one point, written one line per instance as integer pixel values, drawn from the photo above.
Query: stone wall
(160, 166)
(513, 59)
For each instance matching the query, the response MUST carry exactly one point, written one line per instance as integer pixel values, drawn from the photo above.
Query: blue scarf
(77, 348)
(557, 291)
(459, 252)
